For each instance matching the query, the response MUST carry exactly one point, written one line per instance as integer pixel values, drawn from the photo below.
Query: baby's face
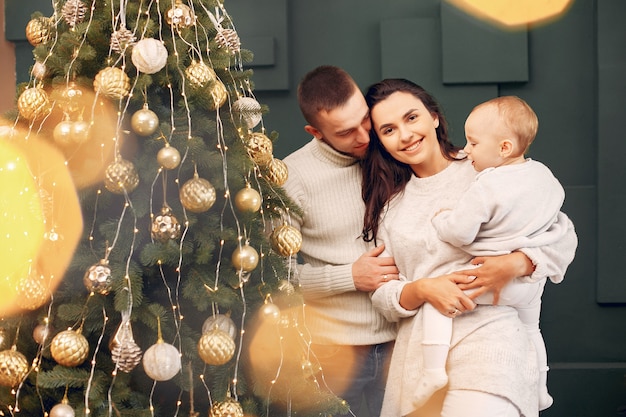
(484, 132)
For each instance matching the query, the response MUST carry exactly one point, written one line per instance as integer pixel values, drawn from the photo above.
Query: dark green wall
(572, 71)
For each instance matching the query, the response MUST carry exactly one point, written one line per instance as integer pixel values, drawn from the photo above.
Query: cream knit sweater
(327, 186)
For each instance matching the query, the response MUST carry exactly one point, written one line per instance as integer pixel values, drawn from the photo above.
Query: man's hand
(370, 271)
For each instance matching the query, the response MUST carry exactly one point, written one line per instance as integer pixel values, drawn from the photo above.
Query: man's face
(346, 128)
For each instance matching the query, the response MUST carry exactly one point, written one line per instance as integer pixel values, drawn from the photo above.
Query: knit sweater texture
(327, 186)
(490, 350)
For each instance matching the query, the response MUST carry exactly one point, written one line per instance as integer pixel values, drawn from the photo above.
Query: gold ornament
(180, 16)
(41, 333)
(122, 39)
(227, 408)
(32, 291)
(200, 74)
(112, 82)
(62, 409)
(13, 367)
(149, 55)
(39, 70)
(144, 122)
(277, 172)
(221, 322)
(71, 98)
(218, 94)
(80, 131)
(228, 39)
(168, 157)
(121, 176)
(4, 339)
(216, 347)
(161, 361)
(286, 240)
(74, 12)
(97, 278)
(62, 133)
(197, 194)
(286, 287)
(165, 226)
(33, 103)
(270, 312)
(260, 148)
(245, 258)
(126, 354)
(249, 110)
(38, 30)
(69, 348)
(248, 200)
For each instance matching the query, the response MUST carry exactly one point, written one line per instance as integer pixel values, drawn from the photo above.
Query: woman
(411, 171)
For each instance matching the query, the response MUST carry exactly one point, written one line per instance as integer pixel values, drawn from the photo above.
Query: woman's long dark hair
(383, 176)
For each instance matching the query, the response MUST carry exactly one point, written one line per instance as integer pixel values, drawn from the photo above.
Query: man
(350, 339)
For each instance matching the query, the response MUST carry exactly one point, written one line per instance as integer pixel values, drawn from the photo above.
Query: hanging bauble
(216, 347)
(39, 70)
(149, 55)
(248, 200)
(13, 367)
(227, 408)
(197, 194)
(245, 258)
(63, 409)
(122, 39)
(62, 133)
(33, 103)
(260, 148)
(144, 121)
(286, 240)
(4, 339)
(161, 361)
(32, 291)
(42, 332)
(168, 157)
(180, 16)
(200, 74)
(121, 176)
(126, 354)
(277, 172)
(249, 110)
(73, 12)
(221, 322)
(112, 82)
(270, 312)
(71, 98)
(80, 131)
(98, 278)
(286, 287)
(218, 95)
(38, 30)
(228, 39)
(69, 348)
(165, 226)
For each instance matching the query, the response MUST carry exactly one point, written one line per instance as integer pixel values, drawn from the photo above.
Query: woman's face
(407, 131)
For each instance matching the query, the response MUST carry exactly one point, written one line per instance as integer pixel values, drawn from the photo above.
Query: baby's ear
(506, 148)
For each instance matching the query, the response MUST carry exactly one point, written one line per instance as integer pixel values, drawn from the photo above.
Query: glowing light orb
(513, 12)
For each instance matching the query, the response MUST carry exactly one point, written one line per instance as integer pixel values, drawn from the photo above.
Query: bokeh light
(512, 13)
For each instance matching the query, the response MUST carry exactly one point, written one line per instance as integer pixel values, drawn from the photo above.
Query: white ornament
(249, 110)
(149, 55)
(162, 361)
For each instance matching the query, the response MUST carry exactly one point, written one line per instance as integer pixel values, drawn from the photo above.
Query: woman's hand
(442, 292)
(495, 272)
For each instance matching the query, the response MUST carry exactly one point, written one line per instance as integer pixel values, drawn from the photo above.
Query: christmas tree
(175, 246)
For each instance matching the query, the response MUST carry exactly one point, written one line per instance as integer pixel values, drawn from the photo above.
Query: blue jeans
(356, 373)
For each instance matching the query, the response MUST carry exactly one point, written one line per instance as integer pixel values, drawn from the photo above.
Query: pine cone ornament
(277, 172)
(197, 194)
(200, 74)
(73, 12)
(112, 82)
(286, 240)
(260, 148)
(249, 110)
(33, 103)
(226, 408)
(13, 367)
(126, 354)
(216, 347)
(38, 30)
(121, 177)
(122, 39)
(165, 226)
(69, 348)
(228, 39)
(98, 278)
